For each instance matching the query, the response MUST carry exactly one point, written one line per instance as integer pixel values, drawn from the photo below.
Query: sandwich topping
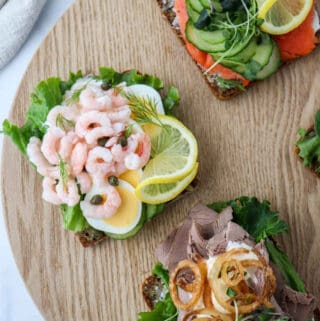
(105, 149)
(237, 42)
(218, 271)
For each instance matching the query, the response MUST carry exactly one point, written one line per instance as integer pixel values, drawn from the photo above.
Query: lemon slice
(283, 16)
(174, 152)
(161, 193)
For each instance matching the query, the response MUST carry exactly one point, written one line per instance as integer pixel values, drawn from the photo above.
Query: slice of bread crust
(223, 94)
(297, 151)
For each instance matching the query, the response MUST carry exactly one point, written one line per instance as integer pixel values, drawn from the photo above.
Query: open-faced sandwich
(222, 264)
(237, 42)
(107, 149)
(308, 146)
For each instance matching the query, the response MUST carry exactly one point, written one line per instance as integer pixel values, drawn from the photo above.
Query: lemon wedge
(161, 193)
(283, 16)
(174, 152)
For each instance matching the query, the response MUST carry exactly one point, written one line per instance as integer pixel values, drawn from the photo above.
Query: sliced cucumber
(206, 4)
(209, 41)
(196, 5)
(241, 58)
(259, 60)
(192, 14)
(272, 66)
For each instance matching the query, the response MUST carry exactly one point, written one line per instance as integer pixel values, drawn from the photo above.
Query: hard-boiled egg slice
(147, 92)
(132, 177)
(127, 216)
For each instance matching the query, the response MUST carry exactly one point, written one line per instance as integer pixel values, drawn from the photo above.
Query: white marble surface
(15, 302)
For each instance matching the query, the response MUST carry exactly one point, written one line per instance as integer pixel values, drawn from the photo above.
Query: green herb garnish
(144, 110)
(231, 293)
(64, 123)
(63, 168)
(226, 84)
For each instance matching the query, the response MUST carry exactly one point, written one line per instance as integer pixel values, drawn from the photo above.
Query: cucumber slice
(259, 60)
(209, 41)
(206, 4)
(272, 66)
(241, 58)
(196, 5)
(193, 15)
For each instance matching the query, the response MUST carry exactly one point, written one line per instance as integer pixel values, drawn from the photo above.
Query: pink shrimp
(116, 98)
(100, 161)
(51, 143)
(94, 98)
(99, 132)
(137, 159)
(66, 144)
(68, 112)
(111, 202)
(112, 141)
(36, 157)
(68, 193)
(85, 182)
(118, 128)
(78, 158)
(49, 191)
(92, 119)
(121, 114)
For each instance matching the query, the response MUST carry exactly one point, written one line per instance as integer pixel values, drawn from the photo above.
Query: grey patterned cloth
(17, 18)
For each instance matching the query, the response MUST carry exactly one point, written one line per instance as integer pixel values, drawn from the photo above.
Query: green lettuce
(309, 145)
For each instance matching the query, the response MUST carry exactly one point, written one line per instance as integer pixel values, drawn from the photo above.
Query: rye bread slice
(297, 151)
(166, 7)
(90, 236)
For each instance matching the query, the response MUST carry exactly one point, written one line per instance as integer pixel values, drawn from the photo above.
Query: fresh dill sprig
(64, 123)
(64, 174)
(144, 110)
(75, 96)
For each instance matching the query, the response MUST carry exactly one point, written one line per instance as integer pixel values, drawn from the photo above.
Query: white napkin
(17, 18)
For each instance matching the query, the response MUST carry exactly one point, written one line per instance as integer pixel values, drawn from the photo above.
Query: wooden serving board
(246, 148)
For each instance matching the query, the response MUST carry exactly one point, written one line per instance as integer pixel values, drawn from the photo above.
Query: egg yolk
(131, 177)
(127, 211)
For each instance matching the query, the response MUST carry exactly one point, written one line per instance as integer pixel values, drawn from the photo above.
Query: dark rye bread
(168, 13)
(90, 236)
(297, 151)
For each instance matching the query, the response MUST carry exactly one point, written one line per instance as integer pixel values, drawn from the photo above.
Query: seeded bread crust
(169, 14)
(297, 151)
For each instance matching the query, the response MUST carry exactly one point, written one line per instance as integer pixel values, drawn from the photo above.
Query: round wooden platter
(246, 148)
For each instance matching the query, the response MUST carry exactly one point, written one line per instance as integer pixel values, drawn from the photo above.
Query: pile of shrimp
(88, 138)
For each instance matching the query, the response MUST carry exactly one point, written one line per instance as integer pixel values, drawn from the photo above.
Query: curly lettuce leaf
(162, 273)
(255, 217)
(309, 145)
(171, 100)
(163, 311)
(47, 94)
(131, 77)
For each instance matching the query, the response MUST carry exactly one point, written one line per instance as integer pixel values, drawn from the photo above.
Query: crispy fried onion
(231, 287)
(194, 288)
(205, 315)
(228, 281)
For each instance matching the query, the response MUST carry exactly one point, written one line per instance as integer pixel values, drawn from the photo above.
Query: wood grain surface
(246, 148)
